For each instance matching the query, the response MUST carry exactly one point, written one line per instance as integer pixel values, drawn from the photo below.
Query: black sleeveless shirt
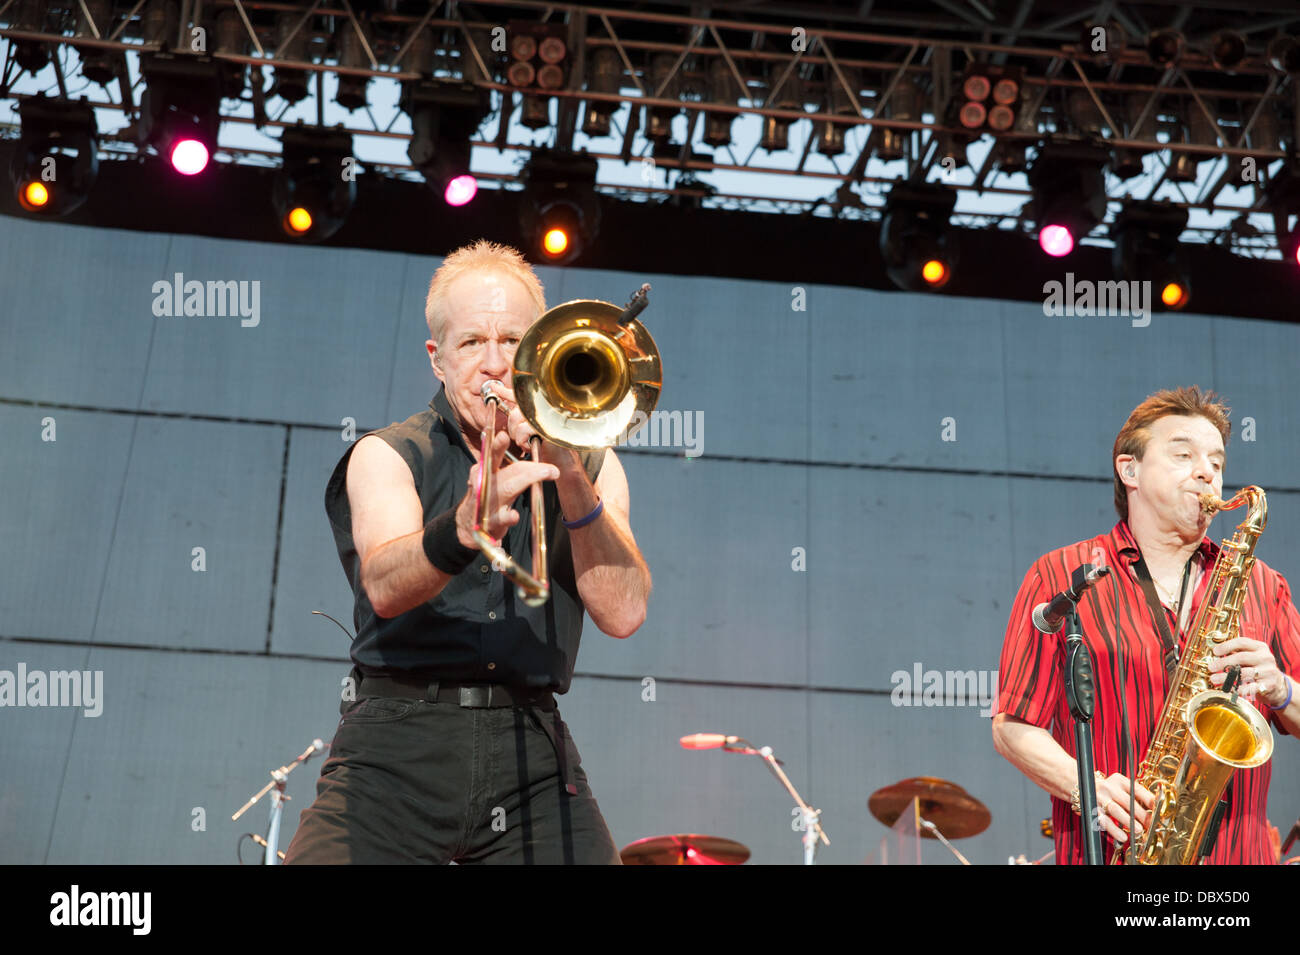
(476, 630)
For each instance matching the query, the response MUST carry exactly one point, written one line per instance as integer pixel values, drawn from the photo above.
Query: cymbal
(686, 849)
(956, 813)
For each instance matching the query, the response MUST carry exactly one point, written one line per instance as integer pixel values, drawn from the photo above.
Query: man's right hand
(508, 482)
(1112, 805)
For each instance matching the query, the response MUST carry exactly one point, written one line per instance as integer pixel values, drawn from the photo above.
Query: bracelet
(443, 547)
(584, 521)
(1074, 793)
(1290, 688)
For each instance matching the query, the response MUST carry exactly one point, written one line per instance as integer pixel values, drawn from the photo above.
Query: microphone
(317, 746)
(1048, 617)
(707, 741)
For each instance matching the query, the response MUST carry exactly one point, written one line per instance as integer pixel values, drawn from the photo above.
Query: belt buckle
(475, 697)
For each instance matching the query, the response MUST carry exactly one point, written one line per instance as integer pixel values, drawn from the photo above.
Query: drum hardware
(941, 806)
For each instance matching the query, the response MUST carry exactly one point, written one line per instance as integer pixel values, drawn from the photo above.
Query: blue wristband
(1290, 688)
(584, 521)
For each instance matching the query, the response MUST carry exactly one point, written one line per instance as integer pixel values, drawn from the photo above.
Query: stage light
(539, 59)
(1284, 54)
(315, 188)
(29, 17)
(989, 98)
(232, 38)
(55, 162)
(1227, 50)
(722, 89)
(665, 83)
(935, 272)
(605, 76)
(1069, 194)
(916, 244)
(444, 115)
(555, 241)
(1147, 250)
(460, 190)
(179, 114)
(904, 104)
(299, 220)
(1056, 240)
(776, 130)
(1174, 295)
(1127, 163)
(1196, 129)
(98, 66)
(830, 137)
(351, 93)
(34, 196)
(189, 156)
(552, 51)
(558, 212)
(291, 38)
(1165, 47)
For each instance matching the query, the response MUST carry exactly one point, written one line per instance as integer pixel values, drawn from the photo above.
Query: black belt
(471, 695)
(476, 696)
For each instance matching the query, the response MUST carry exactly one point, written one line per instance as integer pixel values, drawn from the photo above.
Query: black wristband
(443, 547)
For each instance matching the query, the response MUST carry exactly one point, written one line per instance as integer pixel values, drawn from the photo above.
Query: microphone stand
(1079, 693)
(810, 817)
(278, 798)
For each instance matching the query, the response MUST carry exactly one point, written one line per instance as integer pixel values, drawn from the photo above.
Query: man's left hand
(1259, 673)
(521, 433)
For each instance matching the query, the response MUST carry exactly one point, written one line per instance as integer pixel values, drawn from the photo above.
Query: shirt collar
(442, 407)
(1121, 538)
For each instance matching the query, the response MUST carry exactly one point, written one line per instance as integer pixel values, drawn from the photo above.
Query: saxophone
(1204, 735)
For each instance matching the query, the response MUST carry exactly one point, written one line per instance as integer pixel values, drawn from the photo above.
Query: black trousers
(409, 781)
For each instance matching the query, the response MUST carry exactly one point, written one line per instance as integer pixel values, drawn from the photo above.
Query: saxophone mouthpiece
(1210, 504)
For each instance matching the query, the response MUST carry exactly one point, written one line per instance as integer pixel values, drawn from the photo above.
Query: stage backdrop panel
(873, 475)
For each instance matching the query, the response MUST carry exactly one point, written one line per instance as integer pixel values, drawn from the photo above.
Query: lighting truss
(846, 60)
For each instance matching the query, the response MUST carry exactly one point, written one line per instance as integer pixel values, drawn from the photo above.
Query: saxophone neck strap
(1158, 613)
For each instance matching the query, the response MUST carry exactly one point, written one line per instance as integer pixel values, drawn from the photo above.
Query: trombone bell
(581, 375)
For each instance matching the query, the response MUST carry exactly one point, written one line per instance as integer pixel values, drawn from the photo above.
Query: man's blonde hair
(481, 255)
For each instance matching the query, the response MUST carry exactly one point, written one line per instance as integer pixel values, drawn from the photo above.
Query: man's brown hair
(1133, 437)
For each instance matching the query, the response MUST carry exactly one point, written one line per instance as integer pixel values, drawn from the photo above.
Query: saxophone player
(1169, 452)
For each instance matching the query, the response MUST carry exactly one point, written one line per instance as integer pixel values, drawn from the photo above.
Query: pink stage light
(189, 157)
(1056, 240)
(460, 190)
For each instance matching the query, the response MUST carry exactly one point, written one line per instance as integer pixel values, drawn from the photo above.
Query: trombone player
(452, 747)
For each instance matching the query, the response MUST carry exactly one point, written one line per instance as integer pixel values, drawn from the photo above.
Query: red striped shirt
(1030, 686)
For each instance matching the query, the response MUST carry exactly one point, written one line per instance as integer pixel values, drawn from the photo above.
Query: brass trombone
(582, 374)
